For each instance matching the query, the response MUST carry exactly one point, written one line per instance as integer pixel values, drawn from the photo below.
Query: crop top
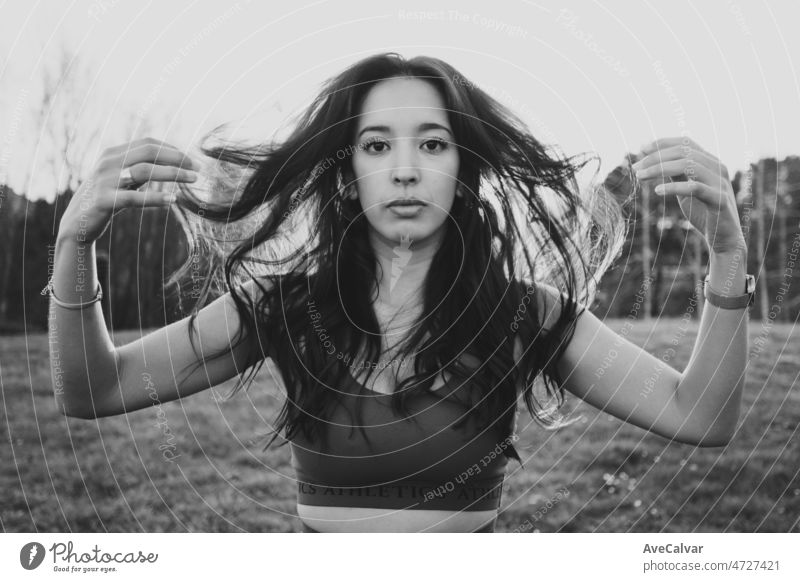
(423, 465)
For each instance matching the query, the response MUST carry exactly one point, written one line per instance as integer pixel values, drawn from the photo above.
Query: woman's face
(404, 150)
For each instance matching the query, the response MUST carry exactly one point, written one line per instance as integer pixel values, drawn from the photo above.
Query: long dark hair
(483, 287)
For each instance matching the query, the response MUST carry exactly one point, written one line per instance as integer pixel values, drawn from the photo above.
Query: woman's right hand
(104, 192)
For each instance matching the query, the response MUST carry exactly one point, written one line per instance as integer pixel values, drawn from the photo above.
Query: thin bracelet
(48, 290)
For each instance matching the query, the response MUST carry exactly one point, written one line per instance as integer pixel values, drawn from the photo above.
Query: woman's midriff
(368, 519)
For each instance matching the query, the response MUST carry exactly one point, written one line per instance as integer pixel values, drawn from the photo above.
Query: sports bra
(426, 464)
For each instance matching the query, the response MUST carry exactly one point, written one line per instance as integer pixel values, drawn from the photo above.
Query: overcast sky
(587, 76)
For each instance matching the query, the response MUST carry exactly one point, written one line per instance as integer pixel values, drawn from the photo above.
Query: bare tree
(68, 121)
(69, 118)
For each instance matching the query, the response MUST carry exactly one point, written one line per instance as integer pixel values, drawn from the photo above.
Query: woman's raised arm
(91, 377)
(700, 405)
(164, 366)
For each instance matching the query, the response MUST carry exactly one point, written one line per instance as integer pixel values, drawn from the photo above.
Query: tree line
(664, 259)
(656, 275)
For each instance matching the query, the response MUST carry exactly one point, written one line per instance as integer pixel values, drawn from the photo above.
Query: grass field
(62, 474)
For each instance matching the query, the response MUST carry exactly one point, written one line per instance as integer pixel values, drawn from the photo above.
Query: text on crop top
(426, 464)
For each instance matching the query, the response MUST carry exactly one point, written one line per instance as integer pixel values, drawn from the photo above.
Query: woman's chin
(402, 231)
(415, 233)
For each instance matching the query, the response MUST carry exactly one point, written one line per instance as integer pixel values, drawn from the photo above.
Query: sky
(588, 77)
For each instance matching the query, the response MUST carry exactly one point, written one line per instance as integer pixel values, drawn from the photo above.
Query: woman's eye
(376, 146)
(435, 145)
(379, 146)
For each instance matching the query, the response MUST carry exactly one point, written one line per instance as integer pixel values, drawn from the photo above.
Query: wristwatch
(731, 302)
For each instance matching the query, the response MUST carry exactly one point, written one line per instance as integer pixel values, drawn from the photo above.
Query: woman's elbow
(716, 441)
(73, 413)
(719, 437)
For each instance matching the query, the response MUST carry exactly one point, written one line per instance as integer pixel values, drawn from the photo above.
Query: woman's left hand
(706, 199)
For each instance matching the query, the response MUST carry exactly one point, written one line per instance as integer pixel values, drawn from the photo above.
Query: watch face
(750, 283)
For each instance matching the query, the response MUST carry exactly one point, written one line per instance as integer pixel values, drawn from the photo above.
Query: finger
(666, 142)
(675, 168)
(156, 154)
(137, 142)
(144, 172)
(702, 192)
(677, 153)
(139, 199)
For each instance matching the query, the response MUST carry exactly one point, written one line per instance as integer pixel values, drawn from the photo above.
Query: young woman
(442, 261)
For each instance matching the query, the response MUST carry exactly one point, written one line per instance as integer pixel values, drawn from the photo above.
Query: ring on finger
(126, 180)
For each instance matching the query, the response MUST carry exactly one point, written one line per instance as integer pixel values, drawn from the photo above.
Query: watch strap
(730, 302)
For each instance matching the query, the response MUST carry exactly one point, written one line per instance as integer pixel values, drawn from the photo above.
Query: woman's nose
(405, 176)
(405, 169)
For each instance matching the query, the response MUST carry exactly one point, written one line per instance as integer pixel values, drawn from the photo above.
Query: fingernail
(191, 176)
(170, 198)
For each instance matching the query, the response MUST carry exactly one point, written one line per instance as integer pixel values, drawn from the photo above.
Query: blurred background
(594, 78)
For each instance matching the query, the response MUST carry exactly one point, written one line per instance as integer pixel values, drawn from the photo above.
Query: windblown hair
(521, 223)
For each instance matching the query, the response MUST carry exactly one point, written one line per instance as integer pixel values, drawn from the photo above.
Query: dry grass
(65, 474)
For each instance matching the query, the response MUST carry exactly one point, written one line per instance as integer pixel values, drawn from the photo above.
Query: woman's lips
(406, 202)
(406, 210)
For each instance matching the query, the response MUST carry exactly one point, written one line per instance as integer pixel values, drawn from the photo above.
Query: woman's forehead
(403, 104)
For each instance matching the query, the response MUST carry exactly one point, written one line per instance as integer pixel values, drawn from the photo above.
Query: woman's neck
(403, 267)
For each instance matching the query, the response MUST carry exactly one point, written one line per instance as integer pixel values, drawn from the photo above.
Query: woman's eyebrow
(421, 127)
